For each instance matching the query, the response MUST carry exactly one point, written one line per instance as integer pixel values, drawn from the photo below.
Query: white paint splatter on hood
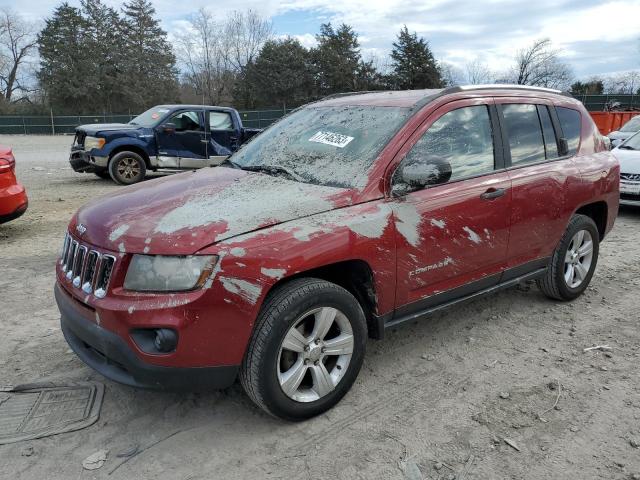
(118, 232)
(247, 205)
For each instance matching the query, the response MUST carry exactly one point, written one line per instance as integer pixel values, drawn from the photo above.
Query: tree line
(98, 59)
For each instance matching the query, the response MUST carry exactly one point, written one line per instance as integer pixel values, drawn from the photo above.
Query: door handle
(493, 193)
(204, 140)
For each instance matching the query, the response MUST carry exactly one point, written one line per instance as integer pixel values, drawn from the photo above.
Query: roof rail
(503, 86)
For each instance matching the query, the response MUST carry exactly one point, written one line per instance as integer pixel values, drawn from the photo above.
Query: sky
(595, 37)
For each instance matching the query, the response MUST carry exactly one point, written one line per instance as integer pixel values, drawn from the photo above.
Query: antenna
(206, 129)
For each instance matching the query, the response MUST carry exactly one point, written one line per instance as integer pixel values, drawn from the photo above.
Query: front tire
(126, 168)
(573, 261)
(306, 350)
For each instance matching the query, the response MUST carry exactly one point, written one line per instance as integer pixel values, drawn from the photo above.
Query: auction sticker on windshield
(331, 138)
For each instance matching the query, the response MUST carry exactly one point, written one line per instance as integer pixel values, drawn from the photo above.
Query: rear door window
(549, 134)
(220, 121)
(524, 133)
(570, 123)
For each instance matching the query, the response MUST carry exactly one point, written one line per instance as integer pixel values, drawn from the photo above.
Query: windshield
(150, 117)
(331, 146)
(632, 125)
(632, 143)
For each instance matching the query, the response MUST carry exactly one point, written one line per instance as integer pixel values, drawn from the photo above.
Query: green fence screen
(61, 124)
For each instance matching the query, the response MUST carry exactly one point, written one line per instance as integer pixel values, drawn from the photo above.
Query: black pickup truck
(166, 137)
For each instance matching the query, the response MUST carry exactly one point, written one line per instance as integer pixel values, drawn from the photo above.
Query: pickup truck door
(186, 145)
(223, 135)
(452, 235)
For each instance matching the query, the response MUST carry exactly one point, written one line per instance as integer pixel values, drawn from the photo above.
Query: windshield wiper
(273, 170)
(626, 147)
(230, 163)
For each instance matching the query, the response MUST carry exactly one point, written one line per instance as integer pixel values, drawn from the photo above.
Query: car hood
(629, 160)
(93, 128)
(181, 214)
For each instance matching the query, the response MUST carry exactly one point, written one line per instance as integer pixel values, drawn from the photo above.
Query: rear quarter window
(570, 122)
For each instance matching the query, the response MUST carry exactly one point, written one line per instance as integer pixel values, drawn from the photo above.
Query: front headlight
(93, 142)
(157, 273)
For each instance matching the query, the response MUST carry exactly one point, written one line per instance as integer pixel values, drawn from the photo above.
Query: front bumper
(82, 161)
(629, 192)
(108, 354)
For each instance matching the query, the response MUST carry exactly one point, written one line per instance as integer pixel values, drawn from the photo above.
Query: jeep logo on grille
(80, 228)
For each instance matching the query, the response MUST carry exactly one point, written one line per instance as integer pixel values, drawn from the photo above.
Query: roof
(195, 107)
(411, 98)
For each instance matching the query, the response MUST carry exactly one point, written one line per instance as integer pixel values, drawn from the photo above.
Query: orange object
(609, 121)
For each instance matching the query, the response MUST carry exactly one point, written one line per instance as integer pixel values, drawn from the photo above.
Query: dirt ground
(434, 400)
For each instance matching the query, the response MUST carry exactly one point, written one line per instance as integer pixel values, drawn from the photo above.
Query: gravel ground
(435, 399)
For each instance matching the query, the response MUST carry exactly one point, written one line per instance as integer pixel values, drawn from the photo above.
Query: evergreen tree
(414, 65)
(105, 45)
(149, 64)
(280, 75)
(65, 63)
(336, 59)
(587, 88)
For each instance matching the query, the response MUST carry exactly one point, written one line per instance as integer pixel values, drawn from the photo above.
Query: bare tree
(245, 33)
(540, 65)
(451, 75)
(214, 53)
(17, 42)
(478, 73)
(623, 83)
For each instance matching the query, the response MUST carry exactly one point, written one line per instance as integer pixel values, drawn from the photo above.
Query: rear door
(539, 178)
(452, 236)
(223, 135)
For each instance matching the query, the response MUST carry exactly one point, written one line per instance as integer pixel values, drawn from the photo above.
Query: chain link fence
(65, 124)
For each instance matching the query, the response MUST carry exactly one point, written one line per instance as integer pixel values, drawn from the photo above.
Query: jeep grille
(85, 268)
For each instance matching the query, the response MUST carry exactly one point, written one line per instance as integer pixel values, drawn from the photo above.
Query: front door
(452, 235)
(185, 147)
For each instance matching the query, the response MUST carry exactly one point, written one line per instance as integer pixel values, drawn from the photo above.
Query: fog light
(155, 340)
(165, 340)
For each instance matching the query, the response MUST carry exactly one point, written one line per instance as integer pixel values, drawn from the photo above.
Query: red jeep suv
(347, 217)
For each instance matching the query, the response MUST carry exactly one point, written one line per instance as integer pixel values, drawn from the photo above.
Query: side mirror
(168, 128)
(415, 176)
(563, 147)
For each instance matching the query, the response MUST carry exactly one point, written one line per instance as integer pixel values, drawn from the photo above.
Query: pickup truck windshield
(332, 146)
(150, 118)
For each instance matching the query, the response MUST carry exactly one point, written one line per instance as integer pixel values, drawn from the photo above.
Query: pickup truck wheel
(573, 261)
(306, 350)
(126, 168)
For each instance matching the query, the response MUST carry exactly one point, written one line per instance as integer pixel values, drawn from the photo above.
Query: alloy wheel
(577, 260)
(315, 354)
(128, 168)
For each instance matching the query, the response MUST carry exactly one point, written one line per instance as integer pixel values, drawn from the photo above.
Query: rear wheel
(126, 168)
(306, 350)
(573, 261)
